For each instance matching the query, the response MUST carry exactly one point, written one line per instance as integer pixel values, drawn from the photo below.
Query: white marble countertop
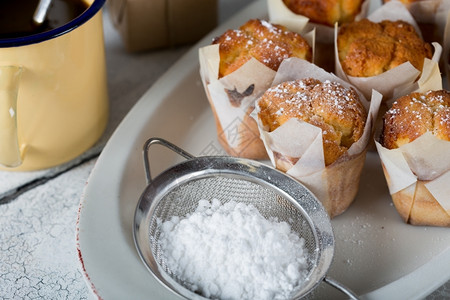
(38, 210)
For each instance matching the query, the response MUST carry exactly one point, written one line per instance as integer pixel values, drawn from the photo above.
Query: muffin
(326, 12)
(367, 49)
(409, 118)
(330, 106)
(247, 59)
(337, 114)
(415, 114)
(318, 16)
(430, 16)
(269, 43)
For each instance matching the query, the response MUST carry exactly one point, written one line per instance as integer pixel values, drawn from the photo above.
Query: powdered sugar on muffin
(268, 43)
(415, 114)
(328, 105)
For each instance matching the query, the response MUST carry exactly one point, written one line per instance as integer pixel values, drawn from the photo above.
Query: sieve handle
(166, 144)
(341, 287)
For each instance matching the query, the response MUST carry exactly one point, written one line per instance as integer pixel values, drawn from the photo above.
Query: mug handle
(10, 150)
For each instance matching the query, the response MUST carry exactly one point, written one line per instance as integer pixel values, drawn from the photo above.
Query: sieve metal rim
(200, 167)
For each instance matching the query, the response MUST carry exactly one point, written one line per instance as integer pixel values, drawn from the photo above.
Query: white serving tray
(376, 255)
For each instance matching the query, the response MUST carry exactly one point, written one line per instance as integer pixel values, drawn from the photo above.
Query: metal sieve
(176, 192)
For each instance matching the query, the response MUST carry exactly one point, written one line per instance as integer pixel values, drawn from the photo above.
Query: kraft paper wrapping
(145, 25)
(418, 173)
(335, 185)
(232, 99)
(398, 81)
(279, 13)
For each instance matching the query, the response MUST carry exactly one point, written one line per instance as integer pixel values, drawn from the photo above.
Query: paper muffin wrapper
(418, 173)
(446, 53)
(296, 147)
(430, 11)
(279, 13)
(431, 15)
(430, 79)
(398, 81)
(232, 99)
(418, 176)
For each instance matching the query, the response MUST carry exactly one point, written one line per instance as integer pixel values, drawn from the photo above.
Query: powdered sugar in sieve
(252, 196)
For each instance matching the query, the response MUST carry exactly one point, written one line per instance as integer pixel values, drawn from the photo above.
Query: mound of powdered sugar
(231, 251)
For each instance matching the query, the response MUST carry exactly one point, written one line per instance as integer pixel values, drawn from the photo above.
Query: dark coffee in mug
(16, 16)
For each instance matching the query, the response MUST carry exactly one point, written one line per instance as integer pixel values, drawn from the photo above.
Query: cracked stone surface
(38, 256)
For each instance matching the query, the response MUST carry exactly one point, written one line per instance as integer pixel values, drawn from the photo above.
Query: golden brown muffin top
(415, 114)
(368, 49)
(268, 43)
(404, 1)
(337, 110)
(326, 12)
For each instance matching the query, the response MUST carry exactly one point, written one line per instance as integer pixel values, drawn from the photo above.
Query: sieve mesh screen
(184, 198)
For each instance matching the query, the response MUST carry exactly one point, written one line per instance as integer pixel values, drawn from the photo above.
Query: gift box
(150, 24)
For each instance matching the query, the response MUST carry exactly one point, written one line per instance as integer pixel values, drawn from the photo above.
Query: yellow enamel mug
(53, 93)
